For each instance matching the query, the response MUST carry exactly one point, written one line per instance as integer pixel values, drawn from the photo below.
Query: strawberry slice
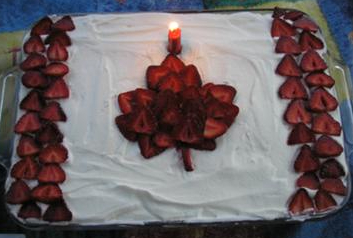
(164, 99)
(317, 79)
(26, 168)
(56, 212)
(306, 24)
(188, 131)
(300, 134)
(324, 201)
(173, 63)
(187, 160)
(33, 61)
(34, 79)
(34, 45)
(331, 169)
(47, 193)
(335, 186)
(324, 123)
(322, 101)
(325, 147)
(296, 113)
(144, 97)
(204, 89)
(29, 122)
(309, 41)
(64, 24)
(223, 93)
(59, 36)
(57, 52)
(306, 161)
(55, 70)
(49, 133)
(214, 128)
(287, 45)
(53, 153)
(171, 82)
(147, 147)
(53, 112)
(224, 112)
(18, 193)
(143, 121)
(312, 61)
(278, 12)
(190, 93)
(51, 173)
(56, 90)
(122, 122)
(281, 28)
(163, 140)
(292, 88)
(42, 27)
(288, 67)
(29, 210)
(27, 146)
(126, 101)
(300, 203)
(155, 74)
(32, 102)
(308, 180)
(204, 145)
(170, 117)
(191, 77)
(293, 15)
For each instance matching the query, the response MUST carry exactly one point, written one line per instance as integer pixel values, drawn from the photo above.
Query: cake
(253, 172)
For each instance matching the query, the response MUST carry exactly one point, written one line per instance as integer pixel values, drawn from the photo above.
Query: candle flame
(173, 26)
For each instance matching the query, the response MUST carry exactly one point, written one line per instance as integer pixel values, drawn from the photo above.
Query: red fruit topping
(187, 160)
(324, 123)
(190, 93)
(171, 82)
(29, 122)
(56, 90)
(190, 76)
(53, 112)
(144, 97)
(324, 201)
(170, 116)
(281, 28)
(126, 101)
(308, 180)
(51, 173)
(56, 70)
(173, 63)
(322, 101)
(325, 147)
(288, 67)
(163, 140)
(56, 212)
(33, 61)
(204, 89)
(214, 128)
(27, 146)
(42, 27)
(64, 24)
(309, 41)
(164, 99)
(306, 161)
(57, 52)
(278, 12)
(204, 145)
(155, 74)
(300, 134)
(26, 168)
(59, 36)
(143, 121)
(222, 111)
(331, 169)
(292, 88)
(32, 102)
(293, 15)
(222, 92)
(122, 122)
(335, 186)
(306, 24)
(312, 61)
(147, 147)
(18, 193)
(34, 45)
(188, 131)
(47, 193)
(317, 79)
(54, 153)
(49, 133)
(288, 45)
(34, 79)
(296, 113)
(29, 210)
(300, 203)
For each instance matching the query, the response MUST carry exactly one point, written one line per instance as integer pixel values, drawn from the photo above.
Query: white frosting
(249, 176)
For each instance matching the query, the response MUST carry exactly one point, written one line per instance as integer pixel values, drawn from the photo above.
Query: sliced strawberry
(171, 82)
(204, 145)
(288, 67)
(163, 140)
(287, 45)
(187, 160)
(331, 169)
(55, 70)
(56, 212)
(57, 52)
(317, 79)
(214, 128)
(126, 101)
(57, 90)
(53, 153)
(143, 121)
(34, 79)
(306, 161)
(306, 24)
(325, 147)
(312, 61)
(49, 133)
(309, 41)
(51, 173)
(27, 146)
(204, 89)
(300, 134)
(33, 61)
(59, 36)
(29, 210)
(191, 77)
(147, 147)
(18, 193)
(196, 111)
(222, 111)
(188, 131)
(42, 27)
(292, 88)
(164, 99)
(26, 168)
(278, 12)
(34, 45)
(293, 15)
(324, 201)
(53, 112)
(300, 203)
(173, 63)
(155, 74)
(122, 122)
(29, 122)
(281, 28)
(322, 101)
(296, 113)
(144, 97)
(170, 117)
(32, 102)
(324, 123)
(190, 93)
(223, 93)
(64, 24)
(308, 180)
(47, 193)
(335, 186)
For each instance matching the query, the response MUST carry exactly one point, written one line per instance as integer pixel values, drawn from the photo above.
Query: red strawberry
(188, 131)
(190, 93)
(278, 12)
(26, 168)
(312, 61)
(144, 97)
(292, 88)
(300, 203)
(64, 24)
(171, 82)
(187, 160)
(300, 134)
(223, 93)
(204, 145)
(222, 111)
(122, 122)
(173, 63)
(29, 210)
(34, 79)
(288, 67)
(335, 186)
(306, 161)
(18, 193)
(325, 147)
(57, 52)
(317, 79)
(55, 70)
(191, 77)
(214, 128)
(29, 122)
(56, 212)
(204, 89)
(34, 45)
(287, 45)
(163, 140)
(155, 74)
(27, 146)
(164, 99)
(56, 90)
(308, 180)
(331, 169)
(53, 112)
(47, 193)
(54, 153)
(51, 173)
(296, 113)
(49, 133)
(170, 116)
(33, 61)
(42, 27)
(324, 201)
(59, 36)
(281, 28)
(32, 102)
(322, 101)
(324, 123)
(126, 101)
(306, 24)
(309, 41)
(293, 15)
(147, 147)
(143, 121)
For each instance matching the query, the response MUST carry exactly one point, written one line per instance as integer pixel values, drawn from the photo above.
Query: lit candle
(174, 38)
